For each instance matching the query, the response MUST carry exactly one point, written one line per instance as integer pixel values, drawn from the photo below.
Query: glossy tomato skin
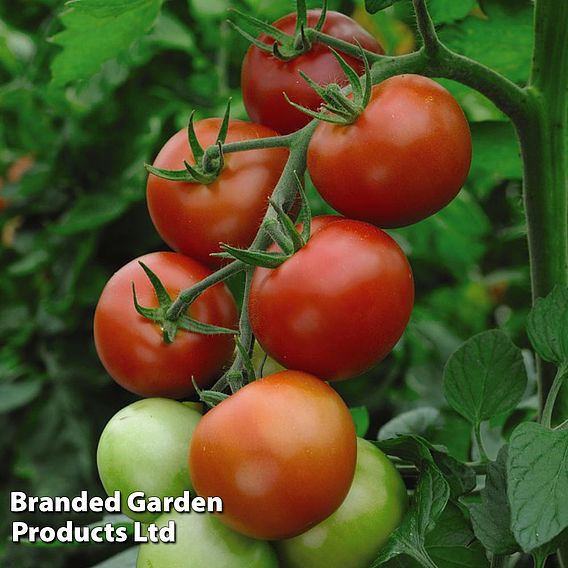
(280, 453)
(353, 535)
(265, 78)
(144, 448)
(132, 348)
(407, 155)
(193, 218)
(339, 305)
(201, 540)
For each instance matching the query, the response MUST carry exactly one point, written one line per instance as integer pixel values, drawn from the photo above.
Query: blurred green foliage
(90, 91)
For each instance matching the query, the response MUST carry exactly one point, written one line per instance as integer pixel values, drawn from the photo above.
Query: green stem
(260, 143)
(424, 558)
(544, 149)
(482, 453)
(559, 379)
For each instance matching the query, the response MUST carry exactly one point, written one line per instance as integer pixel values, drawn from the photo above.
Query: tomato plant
(132, 348)
(353, 535)
(478, 427)
(201, 538)
(265, 78)
(352, 307)
(280, 453)
(144, 448)
(408, 154)
(193, 218)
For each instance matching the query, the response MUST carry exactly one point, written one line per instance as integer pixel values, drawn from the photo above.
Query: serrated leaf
(417, 421)
(547, 326)
(360, 416)
(502, 40)
(485, 377)
(97, 31)
(537, 472)
(491, 518)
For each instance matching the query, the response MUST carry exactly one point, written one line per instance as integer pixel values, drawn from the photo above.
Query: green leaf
(417, 421)
(373, 6)
(90, 212)
(17, 394)
(491, 518)
(485, 377)
(537, 472)
(547, 326)
(360, 416)
(429, 501)
(496, 156)
(503, 40)
(96, 31)
(446, 11)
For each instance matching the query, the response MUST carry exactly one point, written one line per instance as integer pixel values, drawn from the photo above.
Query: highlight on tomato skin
(408, 154)
(132, 347)
(264, 78)
(339, 305)
(280, 453)
(194, 218)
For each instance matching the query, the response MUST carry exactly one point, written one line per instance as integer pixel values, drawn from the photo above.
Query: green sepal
(171, 175)
(149, 313)
(250, 38)
(263, 27)
(301, 15)
(288, 226)
(209, 397)
(245, 356)
(314, 114)
(352, 77)
(257, 257)
(205, 179)
(194, 144)
(222, 136)
(189, 324)
(164, 298)
(305, 214)
(274, 229)
(323, 14)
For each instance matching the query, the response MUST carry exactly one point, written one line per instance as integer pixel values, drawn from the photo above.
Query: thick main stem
(543, 144)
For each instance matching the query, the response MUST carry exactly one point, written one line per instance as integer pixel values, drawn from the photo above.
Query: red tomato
(265, 78)
(405, 158)
(280, 453)
(194, 218)
(132, 348)
(339, 305)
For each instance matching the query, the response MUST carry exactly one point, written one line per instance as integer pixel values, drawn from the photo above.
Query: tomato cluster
(281, 451)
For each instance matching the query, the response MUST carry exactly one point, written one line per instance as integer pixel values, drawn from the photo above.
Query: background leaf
(485, 377)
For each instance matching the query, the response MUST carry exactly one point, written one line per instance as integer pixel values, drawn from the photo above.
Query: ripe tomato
(144, 448)
(193, 218)
(280, 453)
(265, 78)
(132, 348)
(353, 535)
(339, 305)
(405, 158)
(201, 540)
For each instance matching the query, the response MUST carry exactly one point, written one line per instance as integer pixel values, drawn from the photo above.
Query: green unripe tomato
(353, 535)
(144, 447)
(201, 540)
